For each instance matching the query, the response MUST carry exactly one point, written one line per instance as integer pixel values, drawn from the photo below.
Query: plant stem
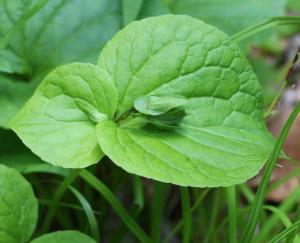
(31, 12)
(231, 199)
(276, 21)
(180, 223)
(109, 196)
(157, 210)
(268, 112)
(285, 233)
(291, 237)
(56, 198)
(259, 199)
(186, 212)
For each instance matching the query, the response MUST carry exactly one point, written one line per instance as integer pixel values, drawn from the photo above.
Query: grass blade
(259, 199)
(186, 212)
(213, 218)
(109, 196)
(275, 21)
(294, 227)
(272, 222)
(180, 223)
(56, 198)
(157, 210)
(291, 237)
(231, 199)
(89, 213)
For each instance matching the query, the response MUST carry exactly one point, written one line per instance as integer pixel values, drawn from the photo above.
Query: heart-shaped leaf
(18, 207)
(222, 140)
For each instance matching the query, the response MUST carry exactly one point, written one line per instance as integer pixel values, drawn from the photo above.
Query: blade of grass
(293, 235)
(231, 201)
(89, 213)
(285, 233)
(66, 205)
(31, 12)
(157, 210)
(285, 207)
(213, 218)
(138, 205)
(186, 213)
(280, 214)
(180, 223)
(275, 21)
(259, 199)
(109, 196)
(247, 192)
(56, 198)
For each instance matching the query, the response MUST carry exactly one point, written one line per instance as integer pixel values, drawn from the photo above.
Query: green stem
(113, 201)
(66, 205)
(258, 202)
(56, 198)
(285, 233)
(276, 21)
(31, 12)
(213, 218)
(231, 199)
(186, 212)
(180, 223)
(291, 237)
(275, 100)
(157, 210)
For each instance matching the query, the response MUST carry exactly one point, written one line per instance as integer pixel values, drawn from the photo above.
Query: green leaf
(13, 94)
(155, 105)
(131, 9)
(58, 122)
(232, 18)
(18, 207)
(66, 236)
(62, 32)
(222, 140)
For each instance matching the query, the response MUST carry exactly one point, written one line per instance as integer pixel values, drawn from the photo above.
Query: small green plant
(219, 138)
(169, 97)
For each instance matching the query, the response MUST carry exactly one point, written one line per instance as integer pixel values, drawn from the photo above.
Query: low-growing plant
(170, 98)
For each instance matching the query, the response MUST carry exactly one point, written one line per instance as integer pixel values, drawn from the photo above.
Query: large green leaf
(58, 122)
(67, 236)
(18, 207)
(221, 141)
(62, 32)
(230, 16)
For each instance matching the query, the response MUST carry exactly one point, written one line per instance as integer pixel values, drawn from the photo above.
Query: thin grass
(89, 213)
(56, 198)
(157, 210)
(117, 206)
(186, 213)
(231, 202)
(262, 189)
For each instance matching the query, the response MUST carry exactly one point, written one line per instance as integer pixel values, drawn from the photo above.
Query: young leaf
(58, 122)
(66, 236)
(18, 207)
(222, 140)
(155, 105)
